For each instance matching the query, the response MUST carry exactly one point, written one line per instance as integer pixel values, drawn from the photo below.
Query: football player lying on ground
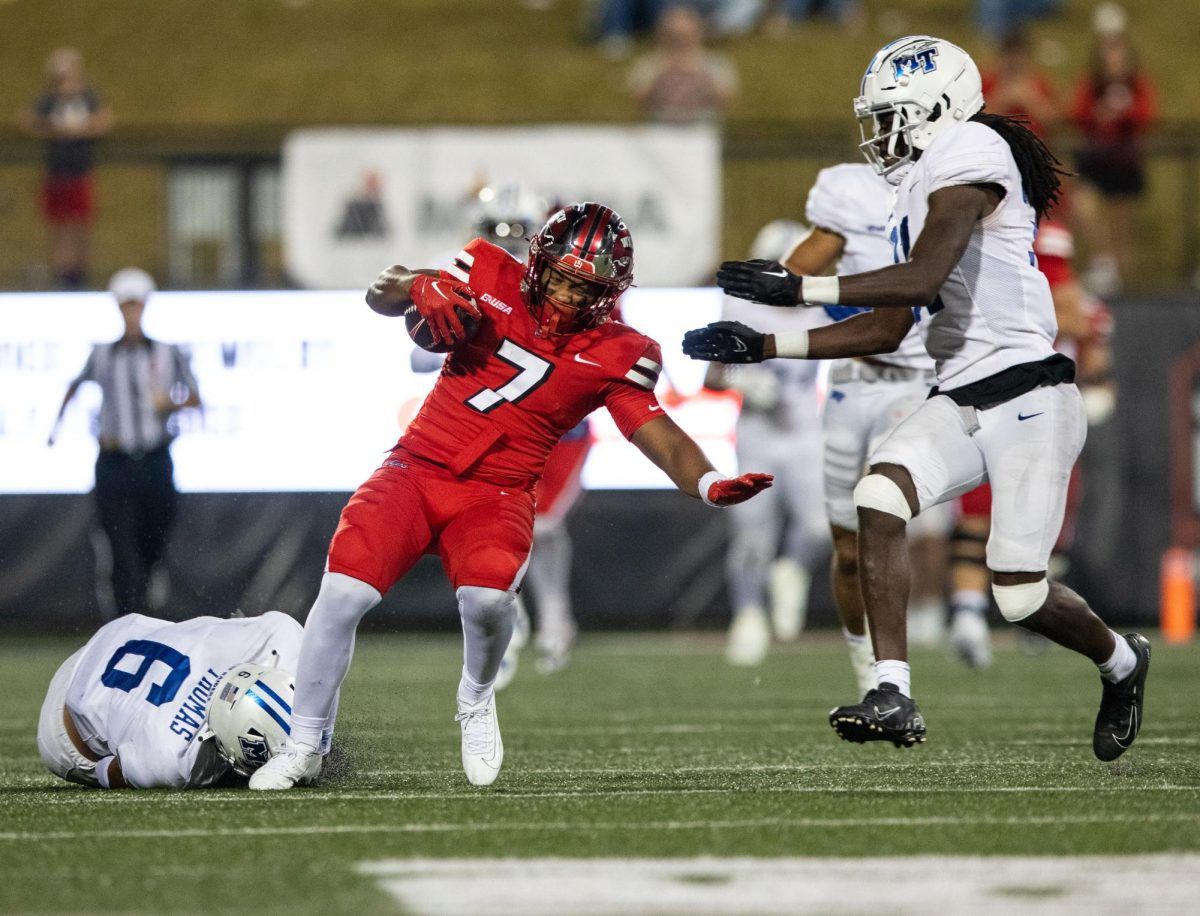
(533, 352)
(148, 703)
(972, 187)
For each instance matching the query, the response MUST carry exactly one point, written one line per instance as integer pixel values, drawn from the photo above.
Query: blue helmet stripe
(287, 729)
(274, 696)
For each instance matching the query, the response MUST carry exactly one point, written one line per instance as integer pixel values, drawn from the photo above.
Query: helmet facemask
(887, 132)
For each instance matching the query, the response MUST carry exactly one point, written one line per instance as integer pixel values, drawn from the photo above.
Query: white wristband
(792, 344)
(819, 290)
(102, 771)
(703, 486)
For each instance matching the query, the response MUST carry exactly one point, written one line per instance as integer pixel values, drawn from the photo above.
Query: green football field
(646, 748)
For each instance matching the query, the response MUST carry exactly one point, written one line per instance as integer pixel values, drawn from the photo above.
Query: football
(419, 331)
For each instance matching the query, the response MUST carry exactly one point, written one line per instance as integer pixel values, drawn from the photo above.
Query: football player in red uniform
(461, 481)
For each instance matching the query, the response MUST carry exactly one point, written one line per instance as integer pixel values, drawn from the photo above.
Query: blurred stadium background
(189, 186)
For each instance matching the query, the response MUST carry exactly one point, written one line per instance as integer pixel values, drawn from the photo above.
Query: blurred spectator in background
(620, 21)
(1017, 88)
(997, 18)
(143, 383)
(68, 116)
(850, 14)
(1114, 106)
(680, 82)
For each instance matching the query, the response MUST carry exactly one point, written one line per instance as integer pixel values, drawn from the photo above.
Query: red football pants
(408, 508)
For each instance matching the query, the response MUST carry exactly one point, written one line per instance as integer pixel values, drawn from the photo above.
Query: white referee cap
(132, 284)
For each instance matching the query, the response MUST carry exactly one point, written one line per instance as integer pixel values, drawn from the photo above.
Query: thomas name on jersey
(193, 711)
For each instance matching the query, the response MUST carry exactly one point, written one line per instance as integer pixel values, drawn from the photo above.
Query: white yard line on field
(704, 885)
(475, 796)
(576, 826)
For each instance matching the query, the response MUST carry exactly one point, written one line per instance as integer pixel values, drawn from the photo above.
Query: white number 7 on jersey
(531, 372)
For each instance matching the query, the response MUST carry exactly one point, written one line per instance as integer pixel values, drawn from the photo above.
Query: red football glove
(730, 491)
(437, 299)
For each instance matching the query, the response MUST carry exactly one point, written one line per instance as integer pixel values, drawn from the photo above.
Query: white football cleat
(482, 747)
(290, 766)
(971, 639)
(554, 649)
(749, 638)
(926, 625)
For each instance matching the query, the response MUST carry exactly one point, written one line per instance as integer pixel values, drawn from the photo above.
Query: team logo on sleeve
(919, 61)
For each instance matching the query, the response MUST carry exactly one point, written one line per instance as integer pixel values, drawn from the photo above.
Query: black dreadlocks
(1040, 168)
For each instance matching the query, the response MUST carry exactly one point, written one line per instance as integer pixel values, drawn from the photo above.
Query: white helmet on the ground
(914, 89)
(250, 714)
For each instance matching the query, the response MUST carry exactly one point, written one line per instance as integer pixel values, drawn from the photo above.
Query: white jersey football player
(971, 187)
(777, 542)
(848, 207)
(148, 703)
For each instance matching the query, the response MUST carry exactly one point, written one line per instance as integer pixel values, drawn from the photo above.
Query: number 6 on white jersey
(532, 370)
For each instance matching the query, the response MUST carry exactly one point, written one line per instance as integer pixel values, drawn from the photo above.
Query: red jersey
(506, 396)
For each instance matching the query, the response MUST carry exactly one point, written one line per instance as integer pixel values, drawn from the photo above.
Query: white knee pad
(881, 493)
(485, 605)
(1016, 602)
(343, 599)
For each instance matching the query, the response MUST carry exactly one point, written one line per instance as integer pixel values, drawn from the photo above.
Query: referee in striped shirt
(143, 383)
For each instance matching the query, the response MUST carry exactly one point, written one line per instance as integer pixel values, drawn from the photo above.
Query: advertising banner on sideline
(357, 200)
(302, 391)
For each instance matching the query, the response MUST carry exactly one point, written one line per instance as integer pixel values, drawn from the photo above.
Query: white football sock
(326, 651)
(969, 600)
(488, 615)
(472, 694)
(862, 659)
(1121, 663)
(549, 577)
(891, 671)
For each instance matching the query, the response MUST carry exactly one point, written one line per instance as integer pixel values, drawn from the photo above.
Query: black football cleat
(1120, 716)
(885, 714)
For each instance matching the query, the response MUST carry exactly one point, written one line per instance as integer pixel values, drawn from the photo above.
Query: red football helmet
(586, 242)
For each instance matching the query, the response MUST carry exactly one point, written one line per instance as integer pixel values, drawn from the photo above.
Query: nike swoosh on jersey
(1029, 416)
(579, 359)
(654, 407)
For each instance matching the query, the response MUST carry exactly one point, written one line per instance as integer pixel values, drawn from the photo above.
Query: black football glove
(725, 342)
(763, 281)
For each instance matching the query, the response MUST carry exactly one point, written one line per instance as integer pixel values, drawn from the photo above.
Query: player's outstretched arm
(953, 213)
(869, 334)
(677, 454)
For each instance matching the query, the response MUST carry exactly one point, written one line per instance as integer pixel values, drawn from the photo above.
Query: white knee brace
(1016, 602)
(881, 493)
(485, 606)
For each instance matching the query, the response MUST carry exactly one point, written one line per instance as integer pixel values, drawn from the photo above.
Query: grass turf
(646, 746)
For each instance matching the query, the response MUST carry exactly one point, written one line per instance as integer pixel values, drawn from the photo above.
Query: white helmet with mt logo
(914, 88)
